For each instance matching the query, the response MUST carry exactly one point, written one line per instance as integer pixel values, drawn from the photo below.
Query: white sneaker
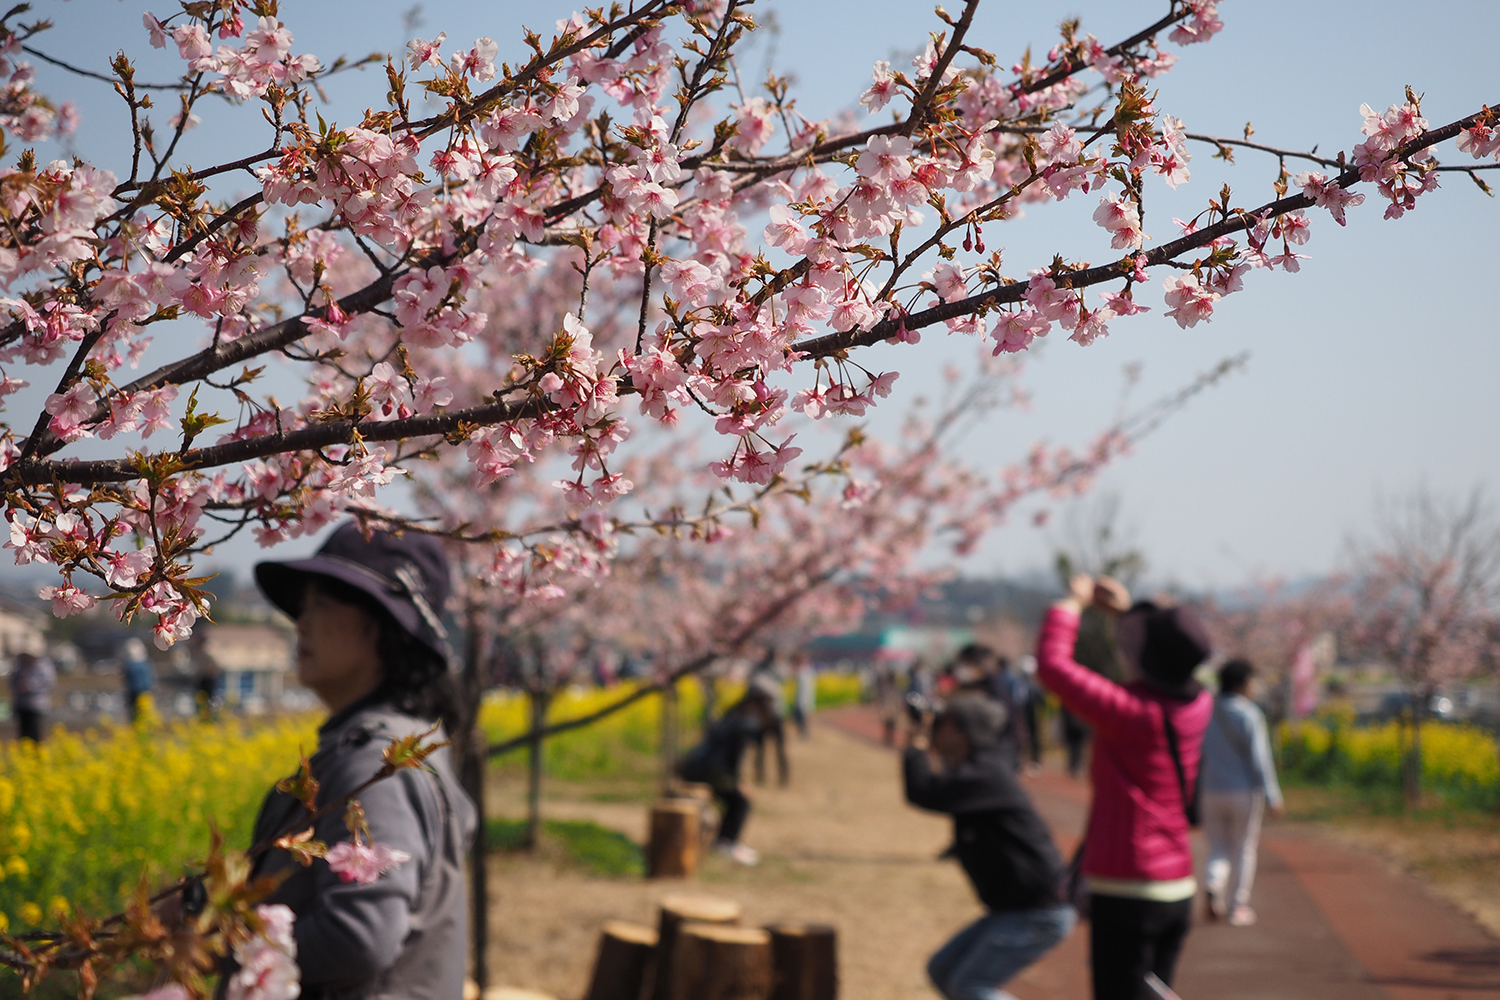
(1242, 916)
(737, 851)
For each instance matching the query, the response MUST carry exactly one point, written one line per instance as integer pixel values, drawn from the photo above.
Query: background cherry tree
(616, 166)
(1427, 601)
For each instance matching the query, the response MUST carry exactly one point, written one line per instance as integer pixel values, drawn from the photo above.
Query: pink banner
(1304, 681)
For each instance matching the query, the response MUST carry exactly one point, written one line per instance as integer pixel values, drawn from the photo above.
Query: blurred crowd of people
(34, 684)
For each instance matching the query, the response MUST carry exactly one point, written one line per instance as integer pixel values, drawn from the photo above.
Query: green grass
(596, 849)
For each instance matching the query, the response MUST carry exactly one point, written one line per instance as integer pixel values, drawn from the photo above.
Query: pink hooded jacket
(1137, 829)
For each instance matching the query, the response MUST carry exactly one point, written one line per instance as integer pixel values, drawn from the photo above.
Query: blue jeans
(987, 953)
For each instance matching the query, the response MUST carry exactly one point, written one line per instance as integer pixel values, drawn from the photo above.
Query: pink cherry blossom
(882, 90)
(267, 962)
(363, 863)
(1327, 194)
(1190, 302)
(420, 52)
(69, 410)
(66, 600)
(171, 991)
(1200, 27)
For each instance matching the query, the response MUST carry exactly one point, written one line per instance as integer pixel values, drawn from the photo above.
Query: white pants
(1231, 821)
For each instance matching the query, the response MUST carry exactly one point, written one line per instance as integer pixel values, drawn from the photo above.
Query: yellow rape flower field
(84, 814)
(1459, 762)
(619, 743)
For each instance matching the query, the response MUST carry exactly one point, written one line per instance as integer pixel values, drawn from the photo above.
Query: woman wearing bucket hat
(371, 646)
(1136, 861)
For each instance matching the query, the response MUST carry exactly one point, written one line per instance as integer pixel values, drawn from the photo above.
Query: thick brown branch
(835, 343)
(286, 442)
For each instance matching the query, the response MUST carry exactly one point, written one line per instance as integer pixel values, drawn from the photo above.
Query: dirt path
(840, 846)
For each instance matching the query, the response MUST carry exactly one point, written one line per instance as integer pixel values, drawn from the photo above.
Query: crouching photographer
(956, 765)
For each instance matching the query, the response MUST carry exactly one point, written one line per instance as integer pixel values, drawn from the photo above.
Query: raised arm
(1094, 698)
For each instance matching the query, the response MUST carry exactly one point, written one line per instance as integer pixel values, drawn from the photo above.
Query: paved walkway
(1335, 924)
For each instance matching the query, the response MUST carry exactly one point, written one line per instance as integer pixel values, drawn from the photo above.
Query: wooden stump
(512, 993)
(626, 955)
(703, 796)
(719, 962)
(676, 912)
(675, 846)
(805, 957)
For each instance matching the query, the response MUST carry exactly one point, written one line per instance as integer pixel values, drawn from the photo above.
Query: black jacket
(1002, 843)
(716, 760)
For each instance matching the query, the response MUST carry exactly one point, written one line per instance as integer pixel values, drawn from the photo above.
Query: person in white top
(1238, 785)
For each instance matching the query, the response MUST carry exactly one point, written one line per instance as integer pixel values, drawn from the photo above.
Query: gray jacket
(405, 937)
(1237, 750)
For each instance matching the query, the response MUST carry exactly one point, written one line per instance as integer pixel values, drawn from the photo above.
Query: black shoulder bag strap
(1190, 807)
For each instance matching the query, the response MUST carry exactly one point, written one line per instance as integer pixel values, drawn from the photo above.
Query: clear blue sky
(1374, 368)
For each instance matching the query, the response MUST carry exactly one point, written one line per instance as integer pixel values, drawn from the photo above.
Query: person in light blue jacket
(1238, 785)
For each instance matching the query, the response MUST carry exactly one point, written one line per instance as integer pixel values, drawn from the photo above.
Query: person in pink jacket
(1137, 862)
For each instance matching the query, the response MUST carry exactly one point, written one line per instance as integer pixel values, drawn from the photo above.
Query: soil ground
(840, 846)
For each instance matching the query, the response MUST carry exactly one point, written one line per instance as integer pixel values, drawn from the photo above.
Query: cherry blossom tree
(1272, 624)
(618, 165)
(1428, 600)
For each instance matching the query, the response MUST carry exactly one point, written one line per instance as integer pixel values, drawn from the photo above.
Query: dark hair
(975, 652)
(980, 719)
(414, 679)
(1234, 676)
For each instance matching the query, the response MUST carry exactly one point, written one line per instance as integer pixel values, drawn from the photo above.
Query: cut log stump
(703, 796)
(675, 845)
(627, 953)
(805, 959)
(677, 912)
(719, 962)
(513, 993)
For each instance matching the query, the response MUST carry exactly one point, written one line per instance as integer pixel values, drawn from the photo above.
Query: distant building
(21, 630)
(256, 660)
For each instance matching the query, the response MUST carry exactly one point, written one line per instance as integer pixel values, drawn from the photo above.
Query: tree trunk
(715, 962)
(669, 723)
(710, 695)
(627, 953)
(676, 840)
(1411, 764)
(538, 700)
(805, 958)
(702, 796)
(676, 911)
(472, 746)
(472, 778)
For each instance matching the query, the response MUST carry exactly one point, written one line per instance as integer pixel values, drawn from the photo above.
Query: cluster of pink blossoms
(263, 59)
(399, 295)
(268, 960)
